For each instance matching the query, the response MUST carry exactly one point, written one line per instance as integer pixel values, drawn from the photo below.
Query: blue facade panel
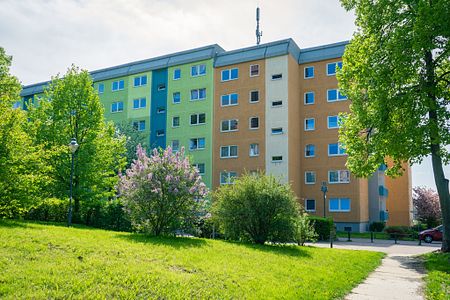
(158, 109)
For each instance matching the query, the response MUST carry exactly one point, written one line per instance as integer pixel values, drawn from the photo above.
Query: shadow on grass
(13, 224)
(283, 249)
(174, 242)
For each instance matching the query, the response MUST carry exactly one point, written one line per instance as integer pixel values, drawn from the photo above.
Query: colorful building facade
(272, 108)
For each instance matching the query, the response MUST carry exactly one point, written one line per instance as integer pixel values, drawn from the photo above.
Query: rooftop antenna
(258, 32)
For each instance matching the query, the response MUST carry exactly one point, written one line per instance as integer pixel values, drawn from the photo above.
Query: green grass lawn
(47, 261)
(376, 235)
(438, 277)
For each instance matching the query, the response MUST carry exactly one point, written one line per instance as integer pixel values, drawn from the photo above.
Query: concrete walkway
(400, 274)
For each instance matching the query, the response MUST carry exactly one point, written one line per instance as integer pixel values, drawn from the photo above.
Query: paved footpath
(400, 274)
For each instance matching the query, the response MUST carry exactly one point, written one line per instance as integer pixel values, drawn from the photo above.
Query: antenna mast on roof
(258, 33)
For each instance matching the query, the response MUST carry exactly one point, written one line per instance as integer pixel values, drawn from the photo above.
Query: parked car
(434, 234)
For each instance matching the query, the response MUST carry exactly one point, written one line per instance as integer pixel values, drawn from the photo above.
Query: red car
(434, 234)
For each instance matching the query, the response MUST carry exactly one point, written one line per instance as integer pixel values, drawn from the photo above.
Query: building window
(230, 74)
(175, 145)
(310, 177)
(200, 167)
(228, 151)
(161, 110)
(278, 103)
(139, 103)
(229, 125)
(161, 87)
(331, 68)
(309, 98)
(198, 94)
(198, 70)
(310, 150)
(197, 144)
(198, 119)
(335, 95)
(118, 85)
(254, 96)
(309, 124)
(254, 70)
(117, 107)
(339, 204)
(227, 177)
(309, 72)
(310, 205)
(277, 158)
(254, 122)
(277, 76)
(175, 121)
(339, 176)
(17, 104)
(254, 150)
(335, 149)
(176, 74)
(229, 100)
(160, 133)
(176, 98)
(278, 130)
(139, 125)
(333, 122)
(140, 80)
(101, 88)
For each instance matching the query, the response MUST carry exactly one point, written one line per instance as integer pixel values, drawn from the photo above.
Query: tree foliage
(71, 108)
(163, 192)
(427, 206)
(396, 71)
(19, 162)
(133, 138)
(257, 208)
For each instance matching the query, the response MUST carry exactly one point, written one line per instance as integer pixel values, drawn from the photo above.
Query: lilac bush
(163, 192)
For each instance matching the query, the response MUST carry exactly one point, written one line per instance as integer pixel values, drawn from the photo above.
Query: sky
(46, 36)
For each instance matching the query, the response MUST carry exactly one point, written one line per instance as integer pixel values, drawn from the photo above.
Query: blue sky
(46, 37)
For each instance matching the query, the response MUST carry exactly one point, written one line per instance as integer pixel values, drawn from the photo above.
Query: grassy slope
(43, 261)
(438, 277)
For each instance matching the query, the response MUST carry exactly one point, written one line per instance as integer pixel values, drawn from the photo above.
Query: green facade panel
(187, 107)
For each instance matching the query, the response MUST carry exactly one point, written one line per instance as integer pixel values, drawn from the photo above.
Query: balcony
(382, 191)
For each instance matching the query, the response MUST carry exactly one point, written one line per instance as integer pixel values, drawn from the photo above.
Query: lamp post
(324, 190)
(73, 146)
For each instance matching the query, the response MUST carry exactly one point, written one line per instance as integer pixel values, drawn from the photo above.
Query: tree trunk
(442, 183)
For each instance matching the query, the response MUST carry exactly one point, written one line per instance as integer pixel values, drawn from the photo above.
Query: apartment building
(273, 107)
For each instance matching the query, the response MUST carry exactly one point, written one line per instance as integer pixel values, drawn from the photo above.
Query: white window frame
(304, 98)
(173, 76)
(139, 125)
(304, 72)
(198, 119)
(337, 122)
(198, 92)
(277, 161)
(314, 124)
(140, 81)
(250, 123)
(229, 151)
(160, 135)
(229, 125)
(276, 133)
(307, 156)
(229, 100)
(230, 178)
(277, 106)
(171, 145)
(173, 97)
(339, 201)
(306, 176)
(306, 206)
(337, 96)
(117, 103)
(140, 102)
(118, 85)
(196, 149)
(340, 181)
(179, 121)
(161, 110)
(339, 147)
(250, 96)
(198, 70)
(98, 88)
(229, 79)
(275, 79)
(332, 63)
(204, 168)
(250, 150)
(250, 70)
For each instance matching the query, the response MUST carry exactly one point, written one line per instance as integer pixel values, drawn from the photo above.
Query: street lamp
(324, 190)
(73, 146)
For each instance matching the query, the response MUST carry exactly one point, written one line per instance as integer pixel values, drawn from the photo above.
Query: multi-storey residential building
(272, 108)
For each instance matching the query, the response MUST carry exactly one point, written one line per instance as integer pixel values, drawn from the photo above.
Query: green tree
(71, 108)
(257, 208)
(133, 138)
(19, 181)
(396, 71)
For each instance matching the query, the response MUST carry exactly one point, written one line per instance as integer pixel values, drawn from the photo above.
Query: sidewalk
(400, 274)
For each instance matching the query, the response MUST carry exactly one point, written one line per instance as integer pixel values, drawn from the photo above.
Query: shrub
(398, 231)
(304, 230)
(427, 205)
(322, 226)
(49, 210)
(256, 208)
(162, 193)
(377, 226)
